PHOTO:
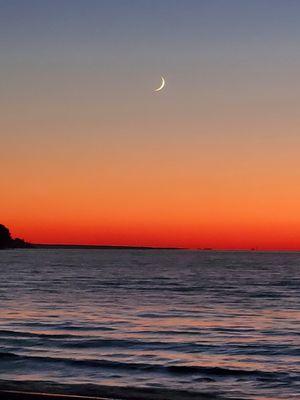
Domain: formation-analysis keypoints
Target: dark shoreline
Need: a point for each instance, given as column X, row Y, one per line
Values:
column 99, row 247
column 37, row 390
column 140, row 248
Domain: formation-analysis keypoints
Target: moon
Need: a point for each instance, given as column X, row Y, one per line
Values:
column 162, row 85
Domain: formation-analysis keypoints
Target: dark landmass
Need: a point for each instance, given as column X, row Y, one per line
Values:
column 106, row 247
column 7, row 242
column 34, row 390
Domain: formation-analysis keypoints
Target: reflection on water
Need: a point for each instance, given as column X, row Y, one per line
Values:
column 227, row 322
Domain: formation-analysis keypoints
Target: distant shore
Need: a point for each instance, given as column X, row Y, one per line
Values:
column 42, row 246
column 7, row 242
column 106, row 247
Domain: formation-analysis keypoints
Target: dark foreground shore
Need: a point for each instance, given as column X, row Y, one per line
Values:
column 32, row 390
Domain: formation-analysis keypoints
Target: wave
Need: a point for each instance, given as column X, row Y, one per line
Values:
column 71, row 341
column 143, row 367
column 136, row 344
column 85, row 342
column 68, row 326
column 27, row 340
column 37, row 335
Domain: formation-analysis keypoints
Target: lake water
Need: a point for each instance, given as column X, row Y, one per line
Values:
column 226, row 323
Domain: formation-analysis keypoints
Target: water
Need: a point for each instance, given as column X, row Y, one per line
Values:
column 225, row 323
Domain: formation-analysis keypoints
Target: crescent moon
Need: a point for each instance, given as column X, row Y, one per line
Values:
column 162, row 85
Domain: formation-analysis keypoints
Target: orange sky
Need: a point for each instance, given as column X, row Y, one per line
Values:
column 90, row 154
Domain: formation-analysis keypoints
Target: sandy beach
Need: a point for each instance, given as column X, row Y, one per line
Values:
column 21, row 390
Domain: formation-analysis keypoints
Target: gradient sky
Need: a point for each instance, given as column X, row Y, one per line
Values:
column 90, row 154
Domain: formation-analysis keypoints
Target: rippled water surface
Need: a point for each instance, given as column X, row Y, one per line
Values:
column 200, row 321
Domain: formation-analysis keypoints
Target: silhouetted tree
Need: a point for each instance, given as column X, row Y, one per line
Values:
column 20, row 243
column 5, row 237
column 7, row 242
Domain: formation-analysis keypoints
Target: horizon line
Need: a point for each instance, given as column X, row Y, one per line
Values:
column 145, row 247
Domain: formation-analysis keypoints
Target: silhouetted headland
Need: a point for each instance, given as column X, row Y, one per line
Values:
column 104, row 247
column 7, row 242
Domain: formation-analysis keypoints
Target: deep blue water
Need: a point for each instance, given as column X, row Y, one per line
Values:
column 221, row 322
